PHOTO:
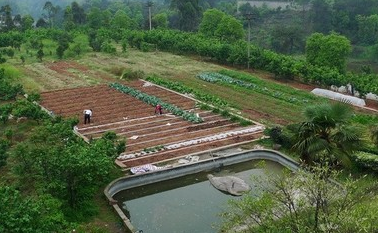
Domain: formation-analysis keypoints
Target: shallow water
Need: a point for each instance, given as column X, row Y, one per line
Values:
column 187, row 204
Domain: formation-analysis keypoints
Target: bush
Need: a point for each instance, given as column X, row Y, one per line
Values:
column 278, row 136
column 108, row 48
column 4, row 146
column 366, row 160
column 147, row 47
column 132, row 75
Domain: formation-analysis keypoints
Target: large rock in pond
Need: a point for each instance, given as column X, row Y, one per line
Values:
column 230, row 184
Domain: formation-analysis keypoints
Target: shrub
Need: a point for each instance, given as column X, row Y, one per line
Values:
column 4, row 146
column 278, row 136
column 147, row 47
column 366, row 160
column 132, row 75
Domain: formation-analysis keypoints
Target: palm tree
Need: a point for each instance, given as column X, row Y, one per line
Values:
column 327, row 131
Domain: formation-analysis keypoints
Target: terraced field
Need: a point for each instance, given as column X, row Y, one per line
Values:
column 150, row 138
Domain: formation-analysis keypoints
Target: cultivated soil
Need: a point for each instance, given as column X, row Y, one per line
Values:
column 150, row 138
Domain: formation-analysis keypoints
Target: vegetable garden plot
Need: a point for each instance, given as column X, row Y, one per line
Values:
column 134, row 119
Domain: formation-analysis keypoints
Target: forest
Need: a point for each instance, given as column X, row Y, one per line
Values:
column 319, row 43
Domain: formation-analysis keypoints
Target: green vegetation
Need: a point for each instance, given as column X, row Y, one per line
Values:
column 155, row 101
column 303, row 202
column 51, row 177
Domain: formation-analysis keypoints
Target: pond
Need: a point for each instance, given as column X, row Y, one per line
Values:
column 187, row 204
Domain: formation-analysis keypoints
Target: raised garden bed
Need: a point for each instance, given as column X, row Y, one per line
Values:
column 151, row 138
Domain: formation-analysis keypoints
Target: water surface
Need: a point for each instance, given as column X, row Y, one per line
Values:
column 187, row 204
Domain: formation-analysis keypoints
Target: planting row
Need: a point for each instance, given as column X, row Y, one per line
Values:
column 198, row 140
column 224, row 79
column 157, row 124
column 176, row 86
column 155, row 101
column 171, row 135
column 177, row 153
column 145, row 122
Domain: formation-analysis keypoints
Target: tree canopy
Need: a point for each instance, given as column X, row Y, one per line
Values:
column 328, row 50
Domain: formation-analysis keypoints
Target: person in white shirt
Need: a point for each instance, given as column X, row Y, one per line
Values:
column 87, row 116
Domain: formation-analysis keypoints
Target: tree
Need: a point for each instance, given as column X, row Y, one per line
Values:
column 120, row 21
column 327, row 130
column 69, row 23
column 21, row 214
column 160, row 21
column 345, row 14
column 51, row 11
column 368, row 29
column 17, row 21
column 230, row 29
column 41, row 23
column 97, row 18
column 189, row 13
column 321, row 16
column 78, row 13
column 210, row 21
column 40, row 54
column 7, row 90
column 6, row 12
column 304, row 5
column 4, row 146
column 27, row 22
column 287, row 39
column 328, row 50
column 302, row 202
column 68, row 168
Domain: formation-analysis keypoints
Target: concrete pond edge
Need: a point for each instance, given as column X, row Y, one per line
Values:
column 128, row 182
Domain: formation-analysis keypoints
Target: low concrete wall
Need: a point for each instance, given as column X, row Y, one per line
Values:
column 160, row 175
column 124, row 183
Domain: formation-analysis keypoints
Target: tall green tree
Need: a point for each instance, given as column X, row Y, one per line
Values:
column 345, row 14
column 78, row 14
column 51, row 12
column 321, row 16
column 160, row 20
column 328, row 50
column 27, row 22
column 287, row 39
column 210, row 21
column 230, row 29
column 368, row 29
column 327, row 130
column 189, row 13
column 6, row 12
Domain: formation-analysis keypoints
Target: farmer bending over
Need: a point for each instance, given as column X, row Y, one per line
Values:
column 87, row 116
column 158, row 109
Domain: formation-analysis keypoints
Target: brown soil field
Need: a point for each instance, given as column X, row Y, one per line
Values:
column 144, row 131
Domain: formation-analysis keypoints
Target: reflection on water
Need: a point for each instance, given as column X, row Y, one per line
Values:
column 187, row 204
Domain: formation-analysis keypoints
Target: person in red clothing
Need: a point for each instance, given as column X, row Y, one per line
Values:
column 158, row 109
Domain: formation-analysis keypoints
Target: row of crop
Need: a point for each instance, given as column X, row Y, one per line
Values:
column 235, row 54
column 208, row 99
column 273, row 87
column 176, row 86
column 224, row 79
column 153, row 100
